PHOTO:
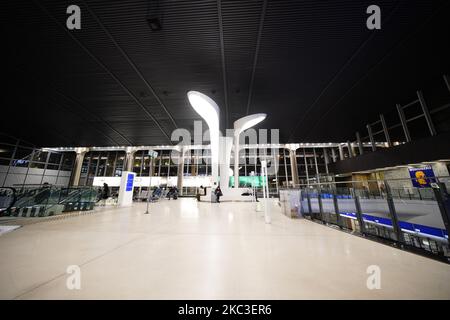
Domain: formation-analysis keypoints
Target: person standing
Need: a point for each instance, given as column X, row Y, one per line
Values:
column 197, row 194
column 105, row 192
column 218, row 193
column 213, row 193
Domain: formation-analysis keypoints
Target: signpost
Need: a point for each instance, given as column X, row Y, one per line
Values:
column 152, row 154
column 265, row 186
column 252, row 174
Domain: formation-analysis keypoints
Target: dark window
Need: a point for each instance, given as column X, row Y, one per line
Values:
column 23, row 153
column 55, row 158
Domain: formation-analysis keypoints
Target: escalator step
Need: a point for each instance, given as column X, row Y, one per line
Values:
column 32, row 211
column 41, row 212
column 24, row 212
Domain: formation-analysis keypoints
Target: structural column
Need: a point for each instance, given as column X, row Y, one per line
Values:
column 294, row 168
column 236, row 161
column 360, row 145
column 326, row 158
column 426, row 113
column 372, row 141
column 194, row 166
column 401, row 114
column 350, row 149
column 180, row 172
column 341, row 153
column 385, row 129
column 306, row 169
column 315, row 164
column 78, row 164
column 129, row 158
column 333, row 154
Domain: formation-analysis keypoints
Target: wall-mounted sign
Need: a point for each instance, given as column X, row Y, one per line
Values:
column 422, row 177
column 152, row 153
column 20, row 162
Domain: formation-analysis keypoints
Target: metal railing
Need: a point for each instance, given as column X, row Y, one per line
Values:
column 409, row 213
column 385, row 130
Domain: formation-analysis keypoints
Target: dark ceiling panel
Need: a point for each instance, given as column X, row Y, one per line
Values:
column 312, row 66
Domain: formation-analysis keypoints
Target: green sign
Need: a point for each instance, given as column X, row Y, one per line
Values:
column 248, row 181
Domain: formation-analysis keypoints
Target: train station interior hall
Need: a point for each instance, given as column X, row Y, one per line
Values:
column 216, row 149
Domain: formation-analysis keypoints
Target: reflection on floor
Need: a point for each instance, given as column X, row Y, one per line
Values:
column 190, row 250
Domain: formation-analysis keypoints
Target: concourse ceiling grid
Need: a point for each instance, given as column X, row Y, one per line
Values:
column 313, row 67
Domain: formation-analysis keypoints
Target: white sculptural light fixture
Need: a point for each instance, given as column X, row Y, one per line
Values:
column 241, row 125
column 209, row 111
column 247, row 122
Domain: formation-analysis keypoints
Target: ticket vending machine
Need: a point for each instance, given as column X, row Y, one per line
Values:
column 126, row 189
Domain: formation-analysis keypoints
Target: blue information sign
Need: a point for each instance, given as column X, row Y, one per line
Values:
column 422, row 177
column 130, row 179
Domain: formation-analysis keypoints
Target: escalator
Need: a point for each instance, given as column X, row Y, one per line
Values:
column 78, row 199
column 8, row 197
column 45, row 200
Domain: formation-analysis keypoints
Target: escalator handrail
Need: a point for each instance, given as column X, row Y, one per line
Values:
column 78, row 194
column 27, row 201
column 63, row 201
column 28, row 197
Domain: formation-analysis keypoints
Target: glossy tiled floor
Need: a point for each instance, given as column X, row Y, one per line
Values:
column 190, row 250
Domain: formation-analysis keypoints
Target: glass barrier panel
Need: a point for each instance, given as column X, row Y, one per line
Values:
column 347, row 208
column 375, row 210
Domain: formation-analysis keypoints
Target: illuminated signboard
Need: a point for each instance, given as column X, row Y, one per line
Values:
column 130, row 179
column 422, row 177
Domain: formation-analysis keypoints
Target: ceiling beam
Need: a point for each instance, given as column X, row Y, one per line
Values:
column 379, row 62
column 79, row 105
column 104, row 67
column 86, row 121
column 336, row 76
column 131, row 63
column 53, row 131
column 70, row 99
column 255, row 57
column 222, row 54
